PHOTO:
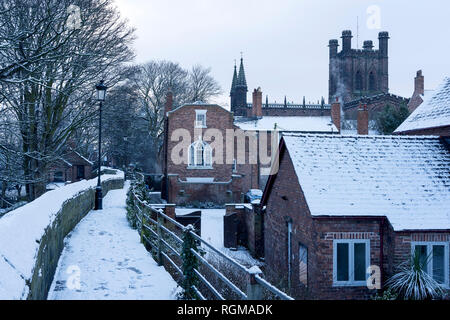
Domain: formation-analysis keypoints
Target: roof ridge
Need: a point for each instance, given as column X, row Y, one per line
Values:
column 395, row 137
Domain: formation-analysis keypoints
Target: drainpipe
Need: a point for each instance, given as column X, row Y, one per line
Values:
column 381, row 252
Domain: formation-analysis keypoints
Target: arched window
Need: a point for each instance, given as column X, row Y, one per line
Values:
column 358, row 81
column 200, row 154
column 372, row 82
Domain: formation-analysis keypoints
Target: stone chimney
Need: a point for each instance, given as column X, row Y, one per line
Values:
column 363, row 120
column 257, row 103
column 419, row 83
column 169, row 101
column 336, row 114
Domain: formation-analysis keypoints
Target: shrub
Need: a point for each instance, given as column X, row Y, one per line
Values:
column 391, row 118
column 412, row 282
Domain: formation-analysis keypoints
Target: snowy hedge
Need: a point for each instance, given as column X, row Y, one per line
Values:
column 28, row 235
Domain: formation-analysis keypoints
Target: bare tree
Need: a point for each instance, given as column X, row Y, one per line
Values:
column 153, row 80
column 52, row 96
column 202, row 85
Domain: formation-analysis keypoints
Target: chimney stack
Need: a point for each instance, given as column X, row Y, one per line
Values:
column 257, row 103
column 336, row 114
column 169, row 101
column 419, row 83
column 363, row 120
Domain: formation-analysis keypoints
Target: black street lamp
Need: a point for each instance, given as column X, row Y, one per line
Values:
column 101, row 95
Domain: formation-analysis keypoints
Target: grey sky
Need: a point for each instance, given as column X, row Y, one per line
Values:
column 285, row 41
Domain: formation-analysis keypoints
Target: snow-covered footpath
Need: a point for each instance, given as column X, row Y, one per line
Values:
column 21, row 231
column 104, row 259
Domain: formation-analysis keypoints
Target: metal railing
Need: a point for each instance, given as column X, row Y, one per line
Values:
column 184, row 253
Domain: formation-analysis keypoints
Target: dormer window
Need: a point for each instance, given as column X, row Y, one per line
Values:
column 200, row 118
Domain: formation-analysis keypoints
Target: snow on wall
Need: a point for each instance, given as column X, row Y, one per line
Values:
column 22, row 229
column 295, row 124
column 406, row 179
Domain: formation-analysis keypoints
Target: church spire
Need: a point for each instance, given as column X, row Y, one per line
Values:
column 242, row 81
column 235, row 79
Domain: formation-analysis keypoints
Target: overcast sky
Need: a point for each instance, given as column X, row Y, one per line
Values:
column 284, row 42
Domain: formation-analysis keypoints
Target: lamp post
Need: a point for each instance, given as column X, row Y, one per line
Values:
column 101, row 95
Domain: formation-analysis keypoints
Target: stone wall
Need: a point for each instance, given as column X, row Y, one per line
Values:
column 52, row 243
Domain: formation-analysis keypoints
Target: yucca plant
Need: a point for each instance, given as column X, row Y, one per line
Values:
column 412, row 282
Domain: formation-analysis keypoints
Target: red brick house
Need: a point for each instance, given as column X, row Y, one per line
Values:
column 432, row 117
column 73, row 167
column 212, row 156
column 339, row 204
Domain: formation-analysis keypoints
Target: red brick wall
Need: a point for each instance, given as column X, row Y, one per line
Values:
column 244, row 178
column 403, row 243
column 217, row 118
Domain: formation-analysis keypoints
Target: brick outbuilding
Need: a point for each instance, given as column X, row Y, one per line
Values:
column 339, row 204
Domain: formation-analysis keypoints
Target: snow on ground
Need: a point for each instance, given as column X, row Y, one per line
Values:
column 111, row 262
column 212, row 232
column 22, row 229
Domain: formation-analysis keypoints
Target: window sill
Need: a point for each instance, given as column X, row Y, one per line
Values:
column 350, row 284
column 199, row 168
column 201, row 127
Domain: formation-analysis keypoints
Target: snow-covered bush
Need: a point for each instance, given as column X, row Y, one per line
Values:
column 412, row 282
column 138, row 188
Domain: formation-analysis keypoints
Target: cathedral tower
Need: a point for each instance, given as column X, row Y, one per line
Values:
column 355, row 73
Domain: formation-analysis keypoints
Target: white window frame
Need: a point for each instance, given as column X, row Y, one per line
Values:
column 351, row 263
column 200, row 124
column 207, row 155
column 430, row 245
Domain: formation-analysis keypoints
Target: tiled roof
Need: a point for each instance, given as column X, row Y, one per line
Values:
column 433, row 112
column 406, row 179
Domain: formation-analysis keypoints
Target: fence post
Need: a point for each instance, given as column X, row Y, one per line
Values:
column 254, row 289
column 142, row 225
column 160, row 244
column 190, row 264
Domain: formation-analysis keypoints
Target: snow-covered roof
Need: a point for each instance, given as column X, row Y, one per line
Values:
column 433, row 112
column 196, row 105
column 295, row 124
column 406, row 179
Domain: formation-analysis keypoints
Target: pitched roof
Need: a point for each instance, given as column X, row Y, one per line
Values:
column 406, row 179
column 294, row 124
column 433, row 112
column 196, row 105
